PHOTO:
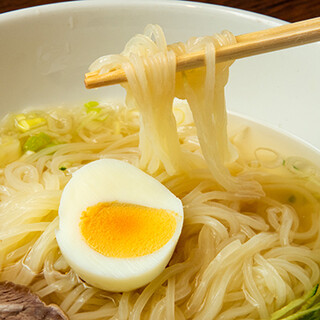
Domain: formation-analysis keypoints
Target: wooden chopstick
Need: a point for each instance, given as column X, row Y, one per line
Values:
column 282, row 37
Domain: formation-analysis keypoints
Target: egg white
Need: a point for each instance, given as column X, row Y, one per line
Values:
column 110, row 180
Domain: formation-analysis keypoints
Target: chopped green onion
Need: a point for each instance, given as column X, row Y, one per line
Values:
column 37, row 142
column 26, row 124
column 65, row 165
column 92, row 106
column 292, row 198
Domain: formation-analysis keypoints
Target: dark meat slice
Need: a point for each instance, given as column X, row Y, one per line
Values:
column 18, row 303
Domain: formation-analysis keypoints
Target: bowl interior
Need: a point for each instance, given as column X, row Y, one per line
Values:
column 47, row 50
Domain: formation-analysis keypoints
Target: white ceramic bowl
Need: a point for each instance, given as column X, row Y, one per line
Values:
column 46, row 50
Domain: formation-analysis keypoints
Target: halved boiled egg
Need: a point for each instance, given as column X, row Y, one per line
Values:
column 118, row 226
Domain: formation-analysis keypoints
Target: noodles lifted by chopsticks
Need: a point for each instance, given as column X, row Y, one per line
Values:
column 151, row 89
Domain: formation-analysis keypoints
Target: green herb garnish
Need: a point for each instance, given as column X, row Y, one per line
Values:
column 92, row 106
column 292, row 198
column 25, row 124
column 62, row 168
column 37, row 142
column 305, row 308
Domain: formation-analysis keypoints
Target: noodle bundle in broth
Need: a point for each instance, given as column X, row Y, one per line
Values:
column 250, row 243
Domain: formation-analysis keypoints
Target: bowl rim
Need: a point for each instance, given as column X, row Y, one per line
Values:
column 61, row 6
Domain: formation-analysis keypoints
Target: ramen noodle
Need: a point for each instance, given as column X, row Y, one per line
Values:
column 250, row 242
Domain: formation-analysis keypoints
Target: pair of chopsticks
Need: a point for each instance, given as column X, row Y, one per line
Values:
column 250, row 44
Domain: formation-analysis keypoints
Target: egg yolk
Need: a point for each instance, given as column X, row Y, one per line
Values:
column 121, row 230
